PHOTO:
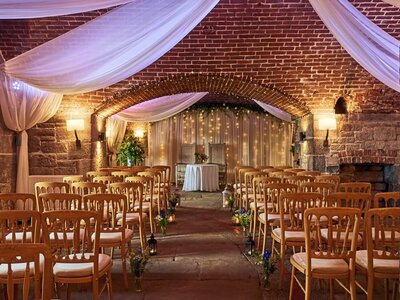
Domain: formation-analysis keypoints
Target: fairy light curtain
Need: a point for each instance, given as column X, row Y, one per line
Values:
column 251, row 138
column 116, row 45
column 374, row 49
column 26, row 9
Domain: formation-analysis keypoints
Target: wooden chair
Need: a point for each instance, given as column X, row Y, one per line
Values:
column 247, row 195
column 22, row 262
column 87, row 188
column 271, row 217
column 382, row 257
column 296, row 170
column 109, row 170
column 163, row 185
column 79, row 262
column 324, row 188
column 284, row 167
column 149, row 206
column 59, row 201
column 261, row 168
column 298, row 180
column 388, row 199
column 167, row 175
column 335, row 179
column 19, row 226
column 106, row 180
column 291, row 230
column 113, row 231
column 282, row 175
column 355, row 187
column 309, row 173
column 331, row 258
column 74, row 178
column 17, row 201
column 134, row 213
column 271, row 170
column 158, row 196
column 121, row 175
column 91, row 174
column 241, row 185
column 51, row 187
column 136, row 169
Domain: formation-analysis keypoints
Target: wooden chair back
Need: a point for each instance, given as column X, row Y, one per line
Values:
column 261, row 168
column 106, row 180
column 109, row 170
column 294, row 205
column 355, row 187
column 86, row 188
column 309, row 173
column 282, row 174
column 236, row 173
column 137, row 169
column 331, row 233
column 283, row 167
column 91, row 174
column 272, row 193
column 298, row 179
column 335, row 179
column 36, row 257
column 271, row 170
column 134, row 194
column 59, row 201
column 74, row 178
column 17, row 201
column 19, row 226
column 296, row 170
column 123, row 174
column 166, row 170
column 388, row 199
column 324, row 188
column 51, row 187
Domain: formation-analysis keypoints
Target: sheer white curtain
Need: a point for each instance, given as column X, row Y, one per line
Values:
column 276, row 112
column 116, row 46
column 374, row 49
column 23, row 107
column 251, row 139
column 115, row 132
column 159, row 108
column 27, row 9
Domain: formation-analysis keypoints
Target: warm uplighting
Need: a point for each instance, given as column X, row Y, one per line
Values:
column 139, row 133
column 74, row 125
column 327, row 123
column 152, row 244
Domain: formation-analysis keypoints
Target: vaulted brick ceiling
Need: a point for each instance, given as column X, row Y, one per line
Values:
column 279, row 43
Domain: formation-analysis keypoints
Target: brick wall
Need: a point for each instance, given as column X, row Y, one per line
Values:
column 282, row 43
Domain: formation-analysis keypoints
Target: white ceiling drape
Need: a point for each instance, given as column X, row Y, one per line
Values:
column 374, row 49
column 159, row 108
column 27, row 9
column 116, row 46
column 23, row 107
column 276, row 112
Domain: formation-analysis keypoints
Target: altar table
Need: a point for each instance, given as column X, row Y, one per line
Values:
column 201, row 177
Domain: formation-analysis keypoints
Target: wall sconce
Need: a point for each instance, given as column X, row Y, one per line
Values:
column 74, row 125
column 139, row 133
column 327, row 123
column 302, row 136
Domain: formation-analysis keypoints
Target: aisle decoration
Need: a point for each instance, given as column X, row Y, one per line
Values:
column 162, row 222
column 138, row 262
column 268, row 264
column 244, row 219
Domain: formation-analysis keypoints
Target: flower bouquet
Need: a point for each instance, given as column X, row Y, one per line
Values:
column 162, row 222
column 174, row 198
column 268, row 264
column 244, row 219
column 200, row 157
column 138, row 261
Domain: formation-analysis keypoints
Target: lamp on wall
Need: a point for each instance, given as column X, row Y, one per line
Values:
column 139, row 133
column 327, row 123
column 74, row 125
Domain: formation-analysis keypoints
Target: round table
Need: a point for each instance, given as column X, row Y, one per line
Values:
column 201, row 177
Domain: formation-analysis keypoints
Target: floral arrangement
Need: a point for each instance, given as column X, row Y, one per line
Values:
column 162, row 222
column 231, row 202
column 138, row 261
column 174, row 198
column 201, row 157
column 244, row 219
column 268, row 264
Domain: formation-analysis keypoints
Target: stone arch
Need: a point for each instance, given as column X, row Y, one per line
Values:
column 215, row 83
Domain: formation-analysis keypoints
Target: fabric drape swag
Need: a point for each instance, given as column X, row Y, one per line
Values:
column 27, row 9
column 374, row 49
column 115, row 132
column 160, row 108
column 117, row 45
column 23, row 107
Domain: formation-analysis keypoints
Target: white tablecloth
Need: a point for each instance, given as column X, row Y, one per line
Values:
column 201, row 177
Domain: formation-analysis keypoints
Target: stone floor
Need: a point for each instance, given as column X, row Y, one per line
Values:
column 201, row 258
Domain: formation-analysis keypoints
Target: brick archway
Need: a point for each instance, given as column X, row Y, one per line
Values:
column 215, row 83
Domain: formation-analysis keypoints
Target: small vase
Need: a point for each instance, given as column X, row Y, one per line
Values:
column 163, row 231
column 138, row 284
column 244, row 231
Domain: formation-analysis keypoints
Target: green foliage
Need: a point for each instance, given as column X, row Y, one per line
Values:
column 131, row 149
column 138, row 260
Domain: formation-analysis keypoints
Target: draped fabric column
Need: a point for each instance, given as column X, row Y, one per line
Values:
column 23, row 107
column 251, row 139
column 115, row 132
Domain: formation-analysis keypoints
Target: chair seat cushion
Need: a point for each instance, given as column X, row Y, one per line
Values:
column 18, row 269
column 391, row 266
column 81, row 269
column 273, row 218
column 320, row 265
column 114, row 237
column 290, row 236
column 324, row 234
column 19, row 237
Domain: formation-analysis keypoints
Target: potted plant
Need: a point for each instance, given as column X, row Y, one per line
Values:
column 131, row 151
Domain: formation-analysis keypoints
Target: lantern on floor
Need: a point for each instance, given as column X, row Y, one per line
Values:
column 250, row 245
column 152, row 244
column 226, row 194
column 171, row 217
